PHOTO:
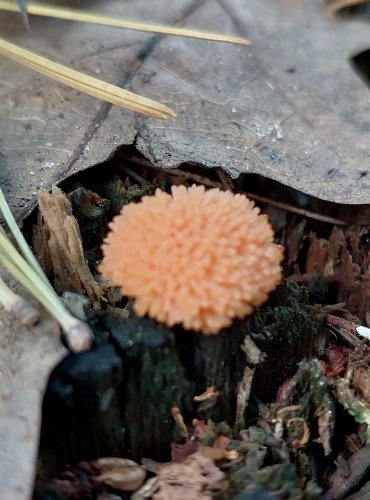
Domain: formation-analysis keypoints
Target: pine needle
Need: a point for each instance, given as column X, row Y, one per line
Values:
column 87, row 84
column 29, row 274
column 19, row 238
column 87, row 17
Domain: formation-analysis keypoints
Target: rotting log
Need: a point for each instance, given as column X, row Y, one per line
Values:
column 117, row 399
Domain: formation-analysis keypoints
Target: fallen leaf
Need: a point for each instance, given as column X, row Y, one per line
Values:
column 27, row 357
column 196, row 477
column 290, row 107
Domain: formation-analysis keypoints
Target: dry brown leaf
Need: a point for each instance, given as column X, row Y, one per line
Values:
column 196, row 477
column 180, row 452
column 289, row 107
column 27, row 357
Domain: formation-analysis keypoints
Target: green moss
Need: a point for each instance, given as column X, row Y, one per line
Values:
column 119, row 194
column 287, row 313
column 280, row 479
column 287, row 330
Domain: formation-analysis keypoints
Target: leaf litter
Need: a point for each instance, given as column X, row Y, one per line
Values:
column 307, row 436
column 289, row 432
column 269, row 118
column 307, row 440
column 270, row 446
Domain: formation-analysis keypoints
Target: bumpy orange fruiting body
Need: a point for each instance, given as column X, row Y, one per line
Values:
column 194, row 257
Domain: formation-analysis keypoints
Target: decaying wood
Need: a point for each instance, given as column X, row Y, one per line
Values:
column 243, row 391
column 342, row 485
column 341, row 260
column 40, row 245
column 64, row 246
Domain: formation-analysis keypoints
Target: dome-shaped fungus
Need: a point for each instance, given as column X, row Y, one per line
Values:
column 194, row 257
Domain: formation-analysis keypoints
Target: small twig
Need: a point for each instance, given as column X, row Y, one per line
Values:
column 186, row 176
column 346, row 329
column 296, row 210
column 337, row 322
column 226, row 182
column 138, row 178
column 243, row 390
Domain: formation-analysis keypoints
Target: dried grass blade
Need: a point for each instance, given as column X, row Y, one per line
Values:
column 87, row 17
column 19, row 238
column 78, row 333
column 24, row 273
column 87, row 84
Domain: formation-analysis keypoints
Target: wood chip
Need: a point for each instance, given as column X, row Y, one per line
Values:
column 64, row 244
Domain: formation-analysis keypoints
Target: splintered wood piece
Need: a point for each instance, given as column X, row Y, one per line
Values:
column 40, row 237
column 64, row 245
